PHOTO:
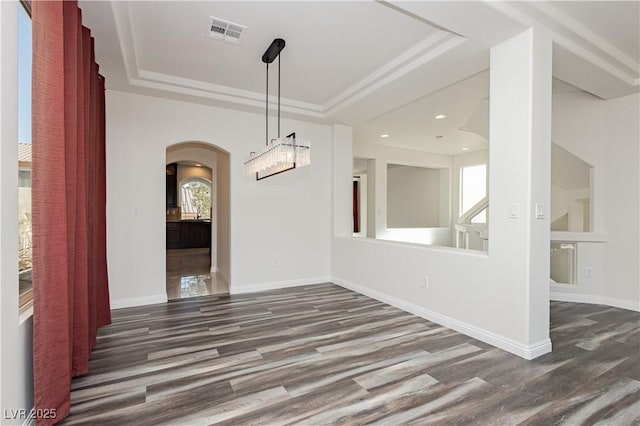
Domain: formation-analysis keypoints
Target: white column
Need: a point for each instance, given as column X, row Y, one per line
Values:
column 520, row 140
column 214, row 210
column 371, row 198
column 380, row 210
column 343, row 180
column 445, row 198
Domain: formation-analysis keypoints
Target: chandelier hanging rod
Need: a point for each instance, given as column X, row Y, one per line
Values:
column 272, row 52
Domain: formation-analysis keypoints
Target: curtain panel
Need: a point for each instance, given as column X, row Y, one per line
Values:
column 70, row 283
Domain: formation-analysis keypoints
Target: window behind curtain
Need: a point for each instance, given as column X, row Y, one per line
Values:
column 24, row 157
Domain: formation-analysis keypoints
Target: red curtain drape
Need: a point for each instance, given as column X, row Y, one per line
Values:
column 70, row 283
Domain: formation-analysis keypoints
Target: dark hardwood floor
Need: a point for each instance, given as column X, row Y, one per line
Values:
column 325, row 355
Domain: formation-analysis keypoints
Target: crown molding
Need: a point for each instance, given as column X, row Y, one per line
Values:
column 122, row 19
column 224, row 90
column 606, row 48
column 573, row 36
column 418, row 55
column 224, row 97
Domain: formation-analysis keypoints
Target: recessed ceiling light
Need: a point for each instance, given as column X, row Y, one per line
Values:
column 465, row 149
column 439, row 116
column 384, row 135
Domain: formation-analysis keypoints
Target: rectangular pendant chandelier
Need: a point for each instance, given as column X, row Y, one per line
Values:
column 280, row 154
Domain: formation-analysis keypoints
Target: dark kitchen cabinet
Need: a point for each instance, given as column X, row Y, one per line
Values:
column 188, row 234
column 173, row 235
column 172, row 185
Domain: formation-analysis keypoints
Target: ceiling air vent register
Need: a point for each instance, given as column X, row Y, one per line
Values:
column 224, row 30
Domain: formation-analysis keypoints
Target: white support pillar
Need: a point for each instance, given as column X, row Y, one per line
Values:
column 520, row 123
column 371, row 198
column 343, row 178
column 381, row 197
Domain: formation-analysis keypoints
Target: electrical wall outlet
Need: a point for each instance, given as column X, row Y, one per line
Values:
column 276, row 263
column 588, row 272
column 424, row 282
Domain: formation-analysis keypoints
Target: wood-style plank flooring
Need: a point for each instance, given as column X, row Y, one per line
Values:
column 325, row 355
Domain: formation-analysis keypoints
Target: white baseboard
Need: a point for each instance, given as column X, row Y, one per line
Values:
column 251, row 288
column 214, row 269
column 222, row 276
column 595, row 299
column 138, row 301
column 525, row 351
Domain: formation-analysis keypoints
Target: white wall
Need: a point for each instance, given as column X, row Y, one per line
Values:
column 589, row 254
column 559, row 205
column 413, row 197
column 501, row 297
column 429, row 236
column 578, row 126
column 16, row 377
column 280, row 227
column 223, row 222
column 605, row 135
column 342, row 163
column 622, row 199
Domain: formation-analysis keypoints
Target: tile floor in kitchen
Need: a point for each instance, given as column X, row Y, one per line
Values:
column 189, row 275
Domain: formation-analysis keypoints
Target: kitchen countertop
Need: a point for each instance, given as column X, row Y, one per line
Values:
column 188, row 220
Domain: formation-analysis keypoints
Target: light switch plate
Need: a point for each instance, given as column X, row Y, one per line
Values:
column 514, row 211
column 539, row 211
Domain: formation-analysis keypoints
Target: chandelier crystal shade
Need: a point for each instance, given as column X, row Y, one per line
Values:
column 280, row 154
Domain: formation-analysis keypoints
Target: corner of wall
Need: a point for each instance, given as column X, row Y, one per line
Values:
column 528, row 352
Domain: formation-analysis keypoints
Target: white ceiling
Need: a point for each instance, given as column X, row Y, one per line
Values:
column 413, row 125
column 321, row 40
column 465, row 128
column 349, row 62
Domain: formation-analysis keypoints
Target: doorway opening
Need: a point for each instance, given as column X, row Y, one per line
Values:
column 197, row 220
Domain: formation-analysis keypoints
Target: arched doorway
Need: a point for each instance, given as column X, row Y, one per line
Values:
column 197, row 220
